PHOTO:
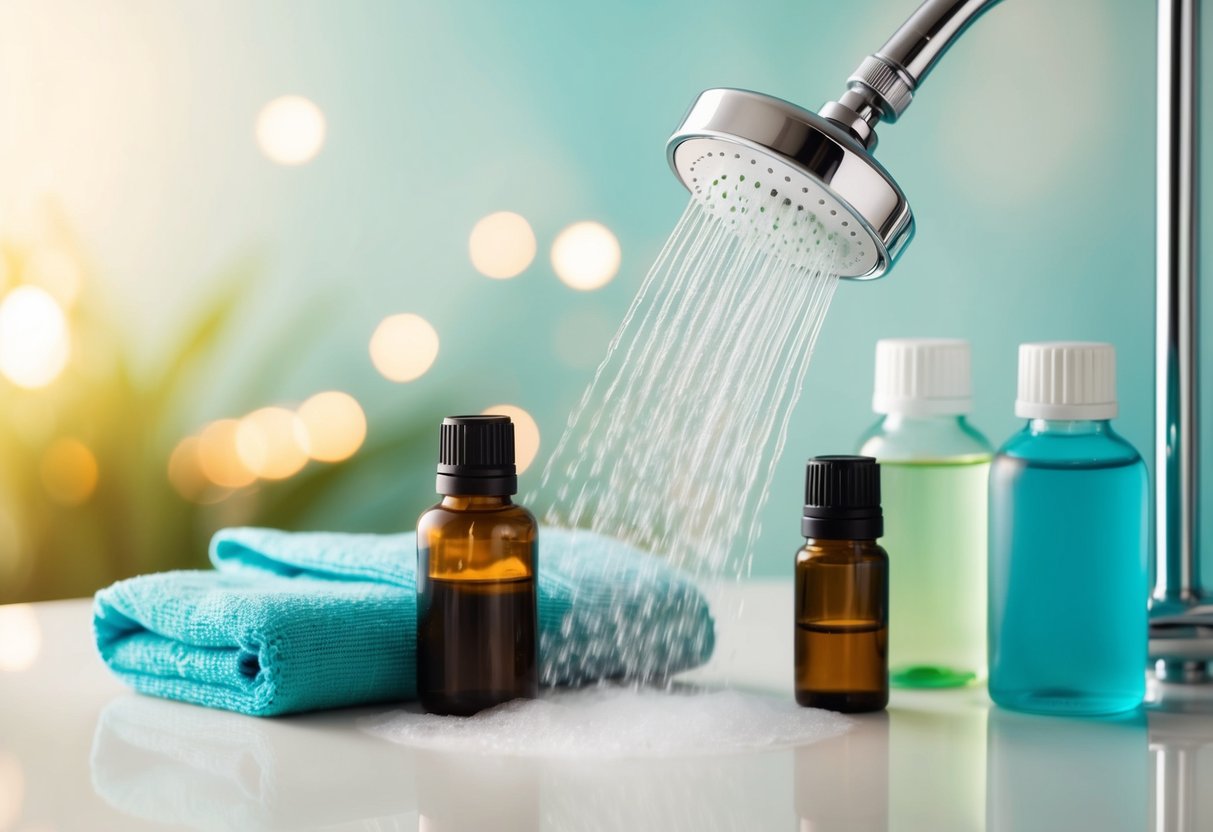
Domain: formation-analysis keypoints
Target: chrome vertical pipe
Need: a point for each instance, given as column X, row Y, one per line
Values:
column 1177, row 487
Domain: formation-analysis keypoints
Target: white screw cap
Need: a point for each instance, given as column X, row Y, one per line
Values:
column 1066, row 380
column 923, row 377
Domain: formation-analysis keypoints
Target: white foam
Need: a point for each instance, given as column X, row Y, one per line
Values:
column 614, row 722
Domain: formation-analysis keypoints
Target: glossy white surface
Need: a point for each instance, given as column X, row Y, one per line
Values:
column 78, row 751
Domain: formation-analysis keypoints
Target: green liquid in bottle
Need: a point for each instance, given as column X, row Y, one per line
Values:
column 935, row 533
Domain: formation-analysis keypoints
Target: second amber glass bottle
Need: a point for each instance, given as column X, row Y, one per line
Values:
column 476, row 604
column 842, row 589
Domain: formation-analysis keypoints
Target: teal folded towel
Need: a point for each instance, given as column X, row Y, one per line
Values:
column 296, row 621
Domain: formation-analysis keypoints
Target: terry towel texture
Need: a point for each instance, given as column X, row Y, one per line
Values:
column 296, row 621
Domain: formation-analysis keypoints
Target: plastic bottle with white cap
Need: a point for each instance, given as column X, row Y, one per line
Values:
column 1069, row 521
column 936, row 467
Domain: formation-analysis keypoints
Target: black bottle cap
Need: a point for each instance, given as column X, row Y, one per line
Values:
column 842, row 498
column 476, row 456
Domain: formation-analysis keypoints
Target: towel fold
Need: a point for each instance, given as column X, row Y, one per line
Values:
column 299, row 621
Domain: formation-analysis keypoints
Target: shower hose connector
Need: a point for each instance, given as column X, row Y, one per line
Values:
column 883, row 85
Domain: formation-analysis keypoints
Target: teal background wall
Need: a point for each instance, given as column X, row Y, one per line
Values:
column 1028, row 158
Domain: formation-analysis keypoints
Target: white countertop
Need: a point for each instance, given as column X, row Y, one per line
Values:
column 79, row 751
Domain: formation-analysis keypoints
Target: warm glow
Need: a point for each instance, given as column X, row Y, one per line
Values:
column 526, row 433
column 20, row 639
column 220, row 462
column 185, row 469
column 404, row 347
column 267, row 445
column 57, row 272
column 34, row 343
column 331, row 426
column 502, row 245
column 586, row 255
column 290, row 130
column 12, row 783
column 69, row 471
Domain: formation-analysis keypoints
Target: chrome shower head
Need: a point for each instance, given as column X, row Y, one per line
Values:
column 821, row 164
column 734, row 141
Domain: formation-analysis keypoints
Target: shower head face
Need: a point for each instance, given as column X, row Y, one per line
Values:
column 741, row 153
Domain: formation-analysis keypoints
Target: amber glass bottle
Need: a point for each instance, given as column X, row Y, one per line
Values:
column 476, row 613
column 842, row 589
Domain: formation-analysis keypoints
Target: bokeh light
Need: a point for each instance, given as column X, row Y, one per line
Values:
column 290, row 130
column 20, row 638
column 404, row 346
column 57, row 272
column 221, row 463
column 267, row 443
column 185, row 469
column 526, row 433
column 331, row 426
column 502, row 245
column 34, row 342
column 69, row 471
column 586, row 255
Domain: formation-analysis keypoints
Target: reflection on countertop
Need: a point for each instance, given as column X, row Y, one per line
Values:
column 1180, row 719
column 77, row 751
column 179, row 764
column 1089, row 773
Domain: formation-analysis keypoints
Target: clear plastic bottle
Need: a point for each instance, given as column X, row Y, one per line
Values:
column 935, row 468
column 1068, row 541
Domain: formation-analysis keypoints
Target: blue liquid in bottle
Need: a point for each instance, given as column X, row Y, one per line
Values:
column 1067, row 579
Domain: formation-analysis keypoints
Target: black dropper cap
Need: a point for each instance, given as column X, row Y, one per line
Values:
column 842, row 498
column 476, row 456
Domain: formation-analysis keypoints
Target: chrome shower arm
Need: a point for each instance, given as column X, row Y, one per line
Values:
column 918, row 45
column 884, row 83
